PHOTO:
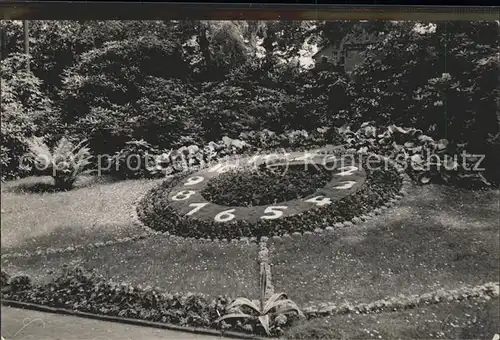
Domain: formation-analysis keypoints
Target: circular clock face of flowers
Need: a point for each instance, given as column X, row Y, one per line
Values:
column 265, row 187
column 267, row 195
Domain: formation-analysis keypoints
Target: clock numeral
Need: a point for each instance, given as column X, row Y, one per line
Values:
column 320, row 200
column 225, row 216
column 197, row 206
column 275, row 211
column 345, row 185
column 183, row 195
column 194, row 180
column 347, row 170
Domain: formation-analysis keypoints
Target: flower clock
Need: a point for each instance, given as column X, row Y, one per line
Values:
column 266, row 195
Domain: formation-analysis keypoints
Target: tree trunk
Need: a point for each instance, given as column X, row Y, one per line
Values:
column 3, row 42
column 26, row 43
column 205, row 46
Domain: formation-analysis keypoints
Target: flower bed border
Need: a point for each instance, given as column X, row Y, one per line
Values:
column 396, row 303
column 390, row 304
column 70, row 249
column 129, row 321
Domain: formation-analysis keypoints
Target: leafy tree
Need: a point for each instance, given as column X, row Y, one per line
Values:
column 58, row 44
column 11, row 35
column 218, row 47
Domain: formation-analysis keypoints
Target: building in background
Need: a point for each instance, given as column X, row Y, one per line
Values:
column 348, row 52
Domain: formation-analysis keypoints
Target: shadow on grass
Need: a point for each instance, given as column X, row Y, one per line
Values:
column 436, row 238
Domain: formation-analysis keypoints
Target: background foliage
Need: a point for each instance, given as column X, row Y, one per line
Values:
column 175, row 83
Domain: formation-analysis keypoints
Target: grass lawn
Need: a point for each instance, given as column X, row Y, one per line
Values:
column 436, row 237
column 455, row 320
column 99, row 210
column 96, row 210
column 174, row 266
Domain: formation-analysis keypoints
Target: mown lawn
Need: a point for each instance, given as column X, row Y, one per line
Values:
column 437, row 237
column 172, row 265
column 98, row 209
column 447, row 320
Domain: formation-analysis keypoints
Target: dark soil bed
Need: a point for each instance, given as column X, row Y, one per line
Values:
column 265, row 185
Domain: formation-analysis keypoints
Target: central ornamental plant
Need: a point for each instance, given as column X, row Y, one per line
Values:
column 264, row 309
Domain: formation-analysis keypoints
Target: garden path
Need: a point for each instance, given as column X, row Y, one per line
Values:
column 28, row 324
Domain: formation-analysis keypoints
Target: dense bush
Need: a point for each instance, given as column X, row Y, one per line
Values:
column 442, row 81
column 267, row 139
column 19, row 283
column 325, row 96
column 229, row 109
column 25, row 111
column 4, row 279
column 423, row 158
column 132, row 161
column 56, row 45
column 125, row 91
column 165, row 115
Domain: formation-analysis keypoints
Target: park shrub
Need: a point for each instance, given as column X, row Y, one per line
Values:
column 442, row 81
column 4, row 279
column 19, row 283
column 266, row 139
column 423, row 158
column 57, row 44
column 130, row 89
column 65, row 161
column 25, row 111
column 229, row 109
column 324, row 95
column 133, row 161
